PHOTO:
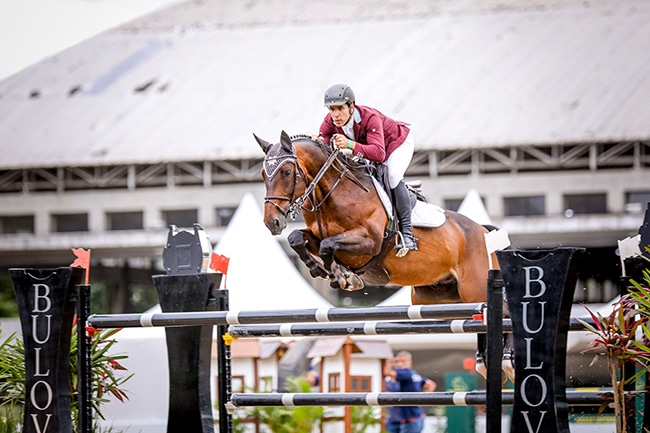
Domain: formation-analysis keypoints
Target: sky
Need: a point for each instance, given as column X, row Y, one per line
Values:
column 31, row 30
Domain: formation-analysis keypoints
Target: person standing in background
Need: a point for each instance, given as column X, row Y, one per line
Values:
column 411, row 418
column 394, row 418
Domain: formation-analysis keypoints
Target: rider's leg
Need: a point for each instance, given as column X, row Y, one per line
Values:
column 397, row 164
column 403, row 211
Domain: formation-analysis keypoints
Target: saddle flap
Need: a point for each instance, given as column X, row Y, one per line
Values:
column 423, row 214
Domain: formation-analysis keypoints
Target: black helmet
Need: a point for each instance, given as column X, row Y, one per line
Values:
column 339, row 94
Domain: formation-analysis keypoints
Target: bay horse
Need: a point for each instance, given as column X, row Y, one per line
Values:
column 347, row 228
column 349, row 235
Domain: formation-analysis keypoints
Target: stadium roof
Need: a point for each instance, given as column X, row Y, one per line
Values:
column 194, row 81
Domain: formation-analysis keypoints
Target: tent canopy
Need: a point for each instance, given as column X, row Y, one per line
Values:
column 260, row 274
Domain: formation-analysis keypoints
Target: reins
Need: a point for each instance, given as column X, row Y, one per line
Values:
column 296, row 204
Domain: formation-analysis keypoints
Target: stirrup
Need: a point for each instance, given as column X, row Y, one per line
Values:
column 401, row 247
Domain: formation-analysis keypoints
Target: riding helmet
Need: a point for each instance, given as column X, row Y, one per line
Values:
column 339, row 94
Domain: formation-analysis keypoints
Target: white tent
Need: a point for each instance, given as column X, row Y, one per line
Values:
column 146, row 409
column 472, row 207
column 260, row 275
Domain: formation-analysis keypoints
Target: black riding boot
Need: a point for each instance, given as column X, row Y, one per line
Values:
column 403, row 210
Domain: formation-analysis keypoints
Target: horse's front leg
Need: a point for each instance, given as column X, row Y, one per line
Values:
column 306, row 245
column 353, row 243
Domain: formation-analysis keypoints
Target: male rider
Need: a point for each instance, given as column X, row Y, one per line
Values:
column 369, row 133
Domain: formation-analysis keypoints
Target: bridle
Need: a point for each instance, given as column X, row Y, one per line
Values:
column 272, row 170
column 272, row 165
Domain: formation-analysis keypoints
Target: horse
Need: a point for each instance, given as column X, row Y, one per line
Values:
column 349, row 234
column 347, row 227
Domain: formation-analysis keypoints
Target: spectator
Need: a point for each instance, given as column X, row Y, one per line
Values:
column 312, row 377
column 411, row 418
column 394, row 418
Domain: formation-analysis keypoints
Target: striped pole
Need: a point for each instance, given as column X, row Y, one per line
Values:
column 362, row 328
column 320, row 315
column 474, row 398
column 375, row 328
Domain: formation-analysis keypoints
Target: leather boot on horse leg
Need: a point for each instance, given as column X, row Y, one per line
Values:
column 508, row 361
column 405, row 242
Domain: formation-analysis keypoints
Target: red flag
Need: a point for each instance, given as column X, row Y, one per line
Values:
column 219, row 263
column 82, row 260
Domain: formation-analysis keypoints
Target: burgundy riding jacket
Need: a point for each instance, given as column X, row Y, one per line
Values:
column 376, row 135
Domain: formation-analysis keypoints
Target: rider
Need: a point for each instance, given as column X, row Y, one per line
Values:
column 371, row 134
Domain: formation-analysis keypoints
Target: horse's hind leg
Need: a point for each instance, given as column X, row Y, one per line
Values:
column 481, row 347
column 300, row 241
column 508, row 361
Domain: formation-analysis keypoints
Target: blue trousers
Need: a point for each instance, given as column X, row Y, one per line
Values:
column 393, row 426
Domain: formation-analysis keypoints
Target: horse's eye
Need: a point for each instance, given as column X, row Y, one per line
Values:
column 286, row 172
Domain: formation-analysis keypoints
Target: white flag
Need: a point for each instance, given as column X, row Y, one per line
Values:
column 628, row 247
column 496, row 240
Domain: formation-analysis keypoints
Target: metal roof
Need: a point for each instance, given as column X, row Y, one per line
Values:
column 194, row 81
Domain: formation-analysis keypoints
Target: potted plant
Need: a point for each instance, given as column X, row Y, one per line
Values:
column 107, row 376
column 622, row 337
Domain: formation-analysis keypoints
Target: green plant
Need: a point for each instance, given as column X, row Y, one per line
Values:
column 12, row 374
column 104, row 367
column 106, row 375
column 617, row 340
column 364, row 417
column 10, row 420
column 301, row 419
column 288, row 419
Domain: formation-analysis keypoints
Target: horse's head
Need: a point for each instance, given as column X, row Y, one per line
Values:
column 281, row 173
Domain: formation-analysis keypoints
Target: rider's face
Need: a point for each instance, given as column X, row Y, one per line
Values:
column 340, row 114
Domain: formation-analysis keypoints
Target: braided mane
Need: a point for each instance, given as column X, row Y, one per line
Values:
column 301, row 137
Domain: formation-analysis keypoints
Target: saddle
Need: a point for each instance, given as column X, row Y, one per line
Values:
column 379, row 174
column 423, row 214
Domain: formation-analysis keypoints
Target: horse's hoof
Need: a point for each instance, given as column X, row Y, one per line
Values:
column 353, row 282
column 318, row 272
column 508, row 369
column 337, row 277
column 337, row 281
column 481, row 368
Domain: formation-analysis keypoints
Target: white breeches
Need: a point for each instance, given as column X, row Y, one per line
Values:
column 399, row 161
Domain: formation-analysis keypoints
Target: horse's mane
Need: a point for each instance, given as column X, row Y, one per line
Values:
column 362, row 167
column 301, row 137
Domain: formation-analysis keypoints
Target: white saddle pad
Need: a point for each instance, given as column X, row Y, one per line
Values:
column 427, row 215
column 422, row 215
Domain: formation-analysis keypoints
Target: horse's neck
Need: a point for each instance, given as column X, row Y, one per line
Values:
column 341, row 174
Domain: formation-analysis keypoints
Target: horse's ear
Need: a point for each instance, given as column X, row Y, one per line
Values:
column 285, row 141
column 263, row 144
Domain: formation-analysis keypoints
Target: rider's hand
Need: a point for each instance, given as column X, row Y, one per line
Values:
column 342, row 142
column 318, row 138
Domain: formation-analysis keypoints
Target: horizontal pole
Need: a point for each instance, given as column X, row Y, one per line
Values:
column 315, row 315
column 376, row 328
column 474, row 398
